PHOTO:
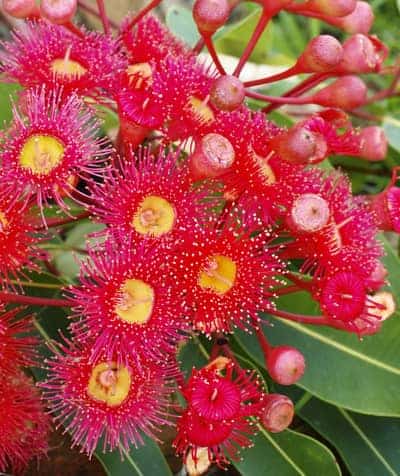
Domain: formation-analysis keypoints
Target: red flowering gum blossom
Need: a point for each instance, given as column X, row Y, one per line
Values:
column 285, row 364
column 227, row 93
column 362, row 54
column 24, row 426
column 212, row 157
column 19, row 8
column 227, row 277
column 277, row 413
column 17, row 348
column 348, row 92
column 155, row 198
column 218, row 404
column 386, row 209
column 17, row 239
column 150, row 41
column 373, row 144
column 131, row 302
column 210, row 15
column 323, row 53
column 53, row 141
column 58, row 11
column 45, row 54
column 105, row 401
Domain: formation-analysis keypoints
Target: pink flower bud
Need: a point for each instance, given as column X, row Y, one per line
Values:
column 58, row 11
column 212, row 157
column 334, row 8
column 322, row 54
column 309, row 213
column 300, row 146
column 227, row 93
column 359, row 21
column 278, row 412
column 373, row 144
column 285, row 364
column 362, row 54
column 386, row 208
column 210, row 15
column 19, row 8
column 348, row 92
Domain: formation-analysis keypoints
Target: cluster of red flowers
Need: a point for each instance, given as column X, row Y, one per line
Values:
column 203, row 226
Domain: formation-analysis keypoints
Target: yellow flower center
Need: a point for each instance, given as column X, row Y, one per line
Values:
column 139, row 73
column 109, row 383
column 201, row 109
column 219, row 274
column 3, row 222
column 135, row 302
column 66, row 68
column 154, row 216
column 41, row 154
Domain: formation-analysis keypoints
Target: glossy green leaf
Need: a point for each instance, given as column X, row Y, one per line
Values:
column 7, row 91
column 391, row 126
column 368, row 444
column 180, row 21
column 362, row 376
column 287, row 454
column 144, row 461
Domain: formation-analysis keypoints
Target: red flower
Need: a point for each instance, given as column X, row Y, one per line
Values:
column 156, row 199
column 129, row 303
column 52, row 142
column 17, row 348
column 218, row 404
column 106, row 401
column 23, row 424
column 228, row 274
column 43, row 53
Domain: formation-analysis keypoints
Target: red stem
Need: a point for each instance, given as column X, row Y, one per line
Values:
column 276, row 77
column 211, row 49
column 279, row 100
column 31, row 300
column 74, row 29
column 286, row 290
column 93, row 11
column 258, row 31
column 104, row 17
column 301, row 88
column 198, row 46
column 143, row 12
column 302, row 318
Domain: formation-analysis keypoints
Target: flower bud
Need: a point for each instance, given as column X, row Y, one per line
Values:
column 310, row 213
column 227, row 93
column 210, row 15
column 58, row 11
column 285, row 364
column 19, row 8
column 348, row 92
column 385, row 305
column 334, row 8
column 362, row 54
column 212, row 157
column 278, row 412
column 386, row 209
column 373, row 143
column 321, row 54
column 359, row 21
column 300, row 146
column 197, row 462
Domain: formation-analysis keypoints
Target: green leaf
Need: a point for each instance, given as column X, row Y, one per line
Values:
column 6, row 90
column 233, row 39
column 368, row 445
column 180, row 21
column 287, row 454
column 362, row 376
column 143, row 461
column 391, row 126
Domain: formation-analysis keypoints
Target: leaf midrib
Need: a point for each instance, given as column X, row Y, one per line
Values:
column 342, row 347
